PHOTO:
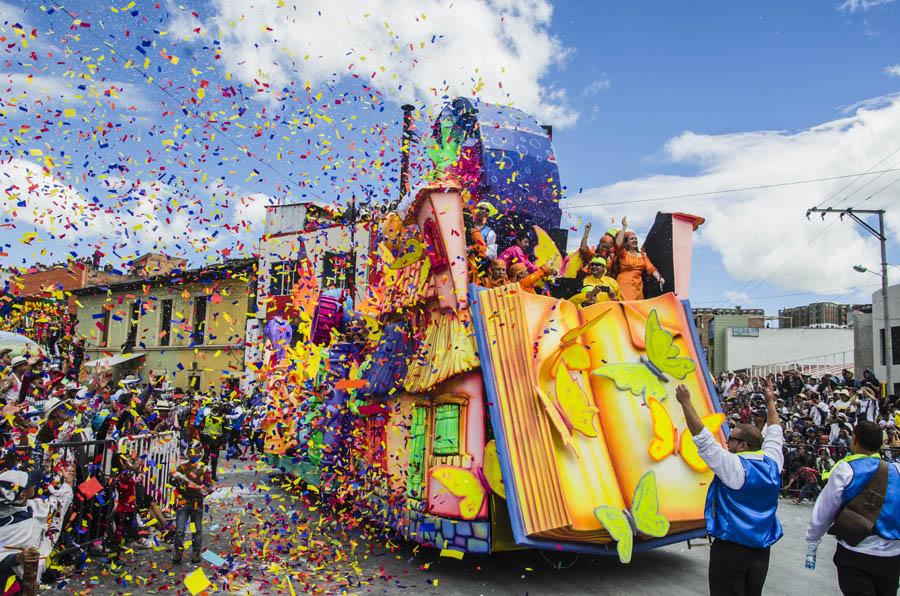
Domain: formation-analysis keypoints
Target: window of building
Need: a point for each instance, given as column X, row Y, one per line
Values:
column 194, row 381
column 165, row 322
column 446, row 429
column 895, row 345
column 418, row 433
column 282, row 277
column 107, row 321
column 199, row 320
column 338, row 270
column 134, row 318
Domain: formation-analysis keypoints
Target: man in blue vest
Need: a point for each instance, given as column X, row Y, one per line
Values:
column 872, row 565
column 742, row 498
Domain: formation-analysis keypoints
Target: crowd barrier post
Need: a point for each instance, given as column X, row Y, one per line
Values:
column 160, row 454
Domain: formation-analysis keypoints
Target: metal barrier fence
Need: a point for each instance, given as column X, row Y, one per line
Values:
column 890, row 454
column 88, row 523
column 160, row 453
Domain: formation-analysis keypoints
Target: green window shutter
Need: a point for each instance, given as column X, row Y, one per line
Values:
column 446, row 429
column 416, row 452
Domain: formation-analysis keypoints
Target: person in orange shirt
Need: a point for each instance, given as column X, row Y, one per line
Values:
column 605, row 249
column 496, row 275
column 633, row 265
column 518, row 272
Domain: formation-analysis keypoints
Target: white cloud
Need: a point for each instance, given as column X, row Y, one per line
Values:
column 601, row 84
column 34, row 197
column 42, row 92
column 499, row 50
column 893, row 70
column 762, row 235
column 250, row 211
column 863, row 5
column 737, row 297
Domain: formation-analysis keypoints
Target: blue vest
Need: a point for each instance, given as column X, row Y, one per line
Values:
column 746, row 516
column 888, row 523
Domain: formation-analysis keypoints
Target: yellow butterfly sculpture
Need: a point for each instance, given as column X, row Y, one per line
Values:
column 545, row 251
column 572, row 409
column 491, row 469
column 412, row 252
column 469, row 486
column 648, row 378
column 644, row 517
column 667, row 440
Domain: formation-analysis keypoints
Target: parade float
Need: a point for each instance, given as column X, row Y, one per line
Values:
column 479, row 420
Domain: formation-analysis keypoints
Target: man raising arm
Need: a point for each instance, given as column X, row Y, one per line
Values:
column 742, row 498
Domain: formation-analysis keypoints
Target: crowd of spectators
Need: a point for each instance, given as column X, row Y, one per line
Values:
column 818, row 414
column 58, row 427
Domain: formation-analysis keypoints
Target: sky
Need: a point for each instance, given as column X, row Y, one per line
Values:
column 161, row 125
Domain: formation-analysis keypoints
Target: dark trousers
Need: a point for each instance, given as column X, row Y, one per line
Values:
column 737, row 570
column 866, row 575
column 211, row 447
column 191, row 512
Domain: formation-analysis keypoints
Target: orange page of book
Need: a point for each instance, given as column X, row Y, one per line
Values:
column 627, row 422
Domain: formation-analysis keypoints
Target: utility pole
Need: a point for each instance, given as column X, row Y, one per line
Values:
column 879, row 233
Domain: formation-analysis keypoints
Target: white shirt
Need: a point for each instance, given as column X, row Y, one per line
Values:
column 12, row 394
column 819, row 413
column 490, row 238
column 727, row 465
column 828, row 505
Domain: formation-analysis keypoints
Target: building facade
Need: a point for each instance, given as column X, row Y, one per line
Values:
column 817, row 314
column 304, row 239
column 712, row 325
column 762, row 350
column 188, row 326
column 863, row 342
column 56, row 282
column 878, row 338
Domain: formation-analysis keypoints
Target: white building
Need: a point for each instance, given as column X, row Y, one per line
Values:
column 878, row 326
column 306, row 235
column 820, row 351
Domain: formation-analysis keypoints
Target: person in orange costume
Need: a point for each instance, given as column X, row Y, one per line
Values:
column 633, row 264
column 519, row 272
column 496, row 276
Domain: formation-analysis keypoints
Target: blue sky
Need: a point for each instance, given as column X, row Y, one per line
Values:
column 647, row 100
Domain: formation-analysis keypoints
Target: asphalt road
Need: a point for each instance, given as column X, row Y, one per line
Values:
column 268, row 539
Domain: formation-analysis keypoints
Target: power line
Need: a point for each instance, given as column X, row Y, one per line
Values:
column 829, row 291
column 783, row 248
column 816, row 237
column 730, row 190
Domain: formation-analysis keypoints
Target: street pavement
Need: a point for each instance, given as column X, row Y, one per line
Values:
column 240, row 512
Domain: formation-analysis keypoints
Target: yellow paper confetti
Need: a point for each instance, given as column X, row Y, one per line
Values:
column 196, row 581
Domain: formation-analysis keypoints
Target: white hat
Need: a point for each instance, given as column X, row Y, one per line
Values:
column 18, row 360
column 129, row 380
column 15, row 477
column 52, row 404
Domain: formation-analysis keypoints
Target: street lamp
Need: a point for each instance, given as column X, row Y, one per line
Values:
column 864, row 269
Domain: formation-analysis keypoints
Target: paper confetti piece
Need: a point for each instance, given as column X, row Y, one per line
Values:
column 196, row 581
column 214, row 559
column 90, row 487
column 452, row 553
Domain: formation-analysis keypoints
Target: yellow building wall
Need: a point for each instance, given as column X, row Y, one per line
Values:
column 220, row 356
